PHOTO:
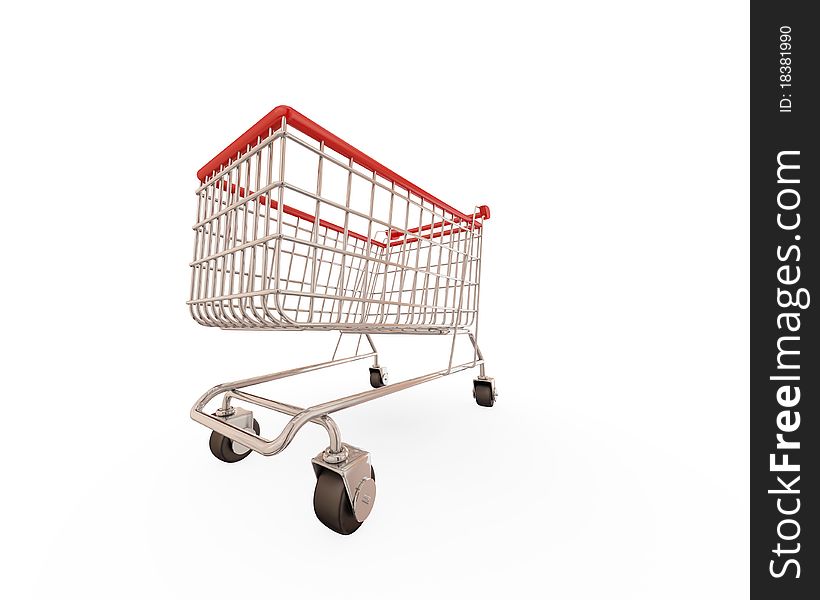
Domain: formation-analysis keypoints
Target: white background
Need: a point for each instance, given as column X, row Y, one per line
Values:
column 611, row 142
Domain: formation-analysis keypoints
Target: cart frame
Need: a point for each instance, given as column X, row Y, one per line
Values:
column 436, row 299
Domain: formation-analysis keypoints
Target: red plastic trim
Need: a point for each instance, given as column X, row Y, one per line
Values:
column 437, row 224
column 273, row 120
column 410, row 239
column 295, row 212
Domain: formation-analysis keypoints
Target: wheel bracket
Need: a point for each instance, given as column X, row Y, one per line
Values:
column 378, row 376
column 240, row 418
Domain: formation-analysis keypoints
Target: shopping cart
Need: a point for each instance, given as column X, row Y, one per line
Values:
column 328, row 239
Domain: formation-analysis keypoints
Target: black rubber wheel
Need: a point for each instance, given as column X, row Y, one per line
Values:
column 222, row 447
column 484, row 393
column 376, row 379
column 331, row 505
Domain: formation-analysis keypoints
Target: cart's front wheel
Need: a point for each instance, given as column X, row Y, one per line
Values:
column 223, row 447
column 331, row 504
column 484, row 392
column 378, row 377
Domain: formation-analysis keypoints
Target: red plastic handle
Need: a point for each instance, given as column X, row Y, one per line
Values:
column 273, row 120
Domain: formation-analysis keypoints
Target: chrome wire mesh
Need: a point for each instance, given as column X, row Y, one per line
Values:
column 293, row 235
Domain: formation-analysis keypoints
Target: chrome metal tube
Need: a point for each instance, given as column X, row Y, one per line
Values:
column 271, row 447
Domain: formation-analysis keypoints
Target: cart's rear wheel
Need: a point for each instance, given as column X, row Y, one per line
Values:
column 484, row 392
column 331, row 504
column 378, row 377
column 223, row 447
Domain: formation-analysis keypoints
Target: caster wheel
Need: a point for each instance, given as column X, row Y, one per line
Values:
column 222, row 447
column 484, row 392
column 331, row 505
column 378, row 377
